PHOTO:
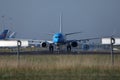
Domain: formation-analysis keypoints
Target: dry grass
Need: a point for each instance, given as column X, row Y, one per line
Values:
column 58, row 61
column 78, row 66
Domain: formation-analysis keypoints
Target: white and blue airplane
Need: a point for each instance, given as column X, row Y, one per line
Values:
column 7, row 34
column 60, row 39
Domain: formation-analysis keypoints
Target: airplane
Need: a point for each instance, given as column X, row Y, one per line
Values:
column 7, row 39
column 60, row 39
column 4, row 34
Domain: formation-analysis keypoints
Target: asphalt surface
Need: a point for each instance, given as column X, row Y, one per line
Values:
column 58, row 53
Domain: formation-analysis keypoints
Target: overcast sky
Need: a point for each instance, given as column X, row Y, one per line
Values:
column 36, row 18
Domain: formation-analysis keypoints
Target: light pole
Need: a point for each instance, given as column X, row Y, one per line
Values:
column 18, row 52
column 112, row 52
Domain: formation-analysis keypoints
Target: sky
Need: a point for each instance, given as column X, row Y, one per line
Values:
column 35, row 19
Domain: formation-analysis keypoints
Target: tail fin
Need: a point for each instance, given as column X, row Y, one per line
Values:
column 61, row 23
column 4, row 34
column 12, row 35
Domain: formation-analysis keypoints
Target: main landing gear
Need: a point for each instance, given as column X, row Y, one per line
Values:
column 51, row 48
column 58, row 48
column 68, row 48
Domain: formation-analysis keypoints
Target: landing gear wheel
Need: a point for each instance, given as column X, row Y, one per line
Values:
column 68, row 48
column 51, row 48
column 58, row 48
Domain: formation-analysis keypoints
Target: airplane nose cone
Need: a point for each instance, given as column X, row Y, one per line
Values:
column 56, row 40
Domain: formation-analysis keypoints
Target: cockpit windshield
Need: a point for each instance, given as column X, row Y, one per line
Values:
column 58, row 35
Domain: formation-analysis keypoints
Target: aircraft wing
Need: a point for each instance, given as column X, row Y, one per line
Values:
column 87, row 39
column 50, row 42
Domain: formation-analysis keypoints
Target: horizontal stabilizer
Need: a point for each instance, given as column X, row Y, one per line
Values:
column 51, row 33
column 73, row 33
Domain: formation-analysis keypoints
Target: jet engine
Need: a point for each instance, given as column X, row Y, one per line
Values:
column 44, row 44
column 74, row 44
column 85, row 47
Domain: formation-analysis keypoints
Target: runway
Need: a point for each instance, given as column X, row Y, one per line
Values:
column 58, row 53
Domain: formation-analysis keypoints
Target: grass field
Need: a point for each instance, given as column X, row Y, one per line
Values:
column 59, row 67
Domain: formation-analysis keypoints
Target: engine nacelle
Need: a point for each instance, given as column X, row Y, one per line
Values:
column 74, row 44
column 44, row 44
column 85, row 47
